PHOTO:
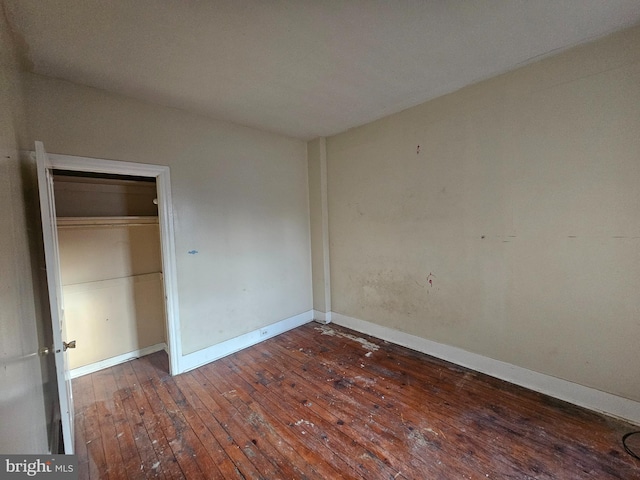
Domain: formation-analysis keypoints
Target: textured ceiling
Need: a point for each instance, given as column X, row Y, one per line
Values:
column 304, row 68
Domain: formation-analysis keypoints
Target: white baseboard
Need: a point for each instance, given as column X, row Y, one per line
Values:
column 110, row 362
column 322, row 317
column 214, row 352
column 586, row 397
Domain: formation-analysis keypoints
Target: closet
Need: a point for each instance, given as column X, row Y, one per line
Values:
column 111, row 269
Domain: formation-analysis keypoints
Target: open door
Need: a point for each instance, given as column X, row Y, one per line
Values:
column 50, row 237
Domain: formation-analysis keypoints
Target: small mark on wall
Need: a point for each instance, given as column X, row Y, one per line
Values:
column 430, row 278
column 192, row 252
column 418, row 150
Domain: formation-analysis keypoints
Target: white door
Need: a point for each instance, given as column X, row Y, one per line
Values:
column 52, row 262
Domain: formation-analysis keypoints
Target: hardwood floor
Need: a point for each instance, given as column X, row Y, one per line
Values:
column 324, row 402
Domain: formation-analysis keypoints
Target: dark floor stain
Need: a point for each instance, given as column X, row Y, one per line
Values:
column 342, row 383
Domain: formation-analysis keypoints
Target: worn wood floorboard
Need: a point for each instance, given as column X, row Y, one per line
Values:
column 322, row 402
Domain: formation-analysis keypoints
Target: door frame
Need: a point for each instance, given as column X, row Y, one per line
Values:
column 167, row 238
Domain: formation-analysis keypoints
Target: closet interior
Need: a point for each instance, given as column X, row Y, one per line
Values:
column 111, row 268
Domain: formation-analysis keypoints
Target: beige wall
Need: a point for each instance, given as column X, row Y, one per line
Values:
column 522, row 204
column 108, row 318
column 90, row 253
column 112, row 286
column 28, row 387
column 240, row 200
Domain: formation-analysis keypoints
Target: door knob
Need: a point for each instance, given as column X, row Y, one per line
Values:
column 71, row 344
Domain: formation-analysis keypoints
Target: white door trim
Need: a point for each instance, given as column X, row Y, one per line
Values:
column 167, row 241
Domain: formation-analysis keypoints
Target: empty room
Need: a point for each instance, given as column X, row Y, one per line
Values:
column 320, row 239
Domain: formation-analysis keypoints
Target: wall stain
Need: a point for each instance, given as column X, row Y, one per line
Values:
column 23, row 51
column 407, row 296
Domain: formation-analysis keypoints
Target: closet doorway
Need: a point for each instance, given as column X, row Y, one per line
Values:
column 111, row 267
column 160, row 174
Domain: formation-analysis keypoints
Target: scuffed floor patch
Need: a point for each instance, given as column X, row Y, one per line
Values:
column 365, row 343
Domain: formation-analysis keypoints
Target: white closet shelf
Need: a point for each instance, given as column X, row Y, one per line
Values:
column 128, row 221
